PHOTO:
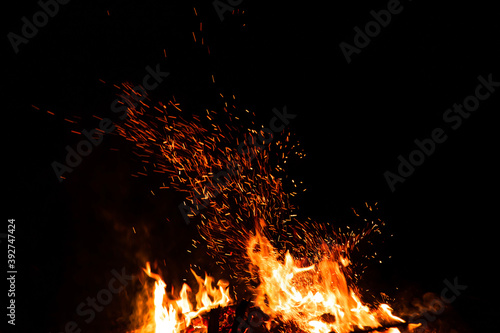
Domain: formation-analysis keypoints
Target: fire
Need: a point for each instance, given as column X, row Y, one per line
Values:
column 232, row 189
column 316, row 298
column 175, row 316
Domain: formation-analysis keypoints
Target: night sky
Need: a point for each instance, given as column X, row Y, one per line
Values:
column 353, row 119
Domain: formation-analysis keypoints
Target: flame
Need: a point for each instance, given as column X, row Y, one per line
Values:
column 229, row 183
column 316, row 298
column 175, row 316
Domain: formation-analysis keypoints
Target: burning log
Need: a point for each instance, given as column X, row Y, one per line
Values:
column 228, row 319
column 380, row 328
column 397, row 326
column 213, row 323
column 240, row 313
column 237, row 319
column 246, row 318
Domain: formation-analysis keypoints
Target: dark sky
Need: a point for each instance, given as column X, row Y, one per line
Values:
column 353, row 119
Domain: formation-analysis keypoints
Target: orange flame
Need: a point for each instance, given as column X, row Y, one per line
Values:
column 175, row 316
column 315, row 298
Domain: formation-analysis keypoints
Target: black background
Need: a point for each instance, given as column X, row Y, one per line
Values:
column 353, row 121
